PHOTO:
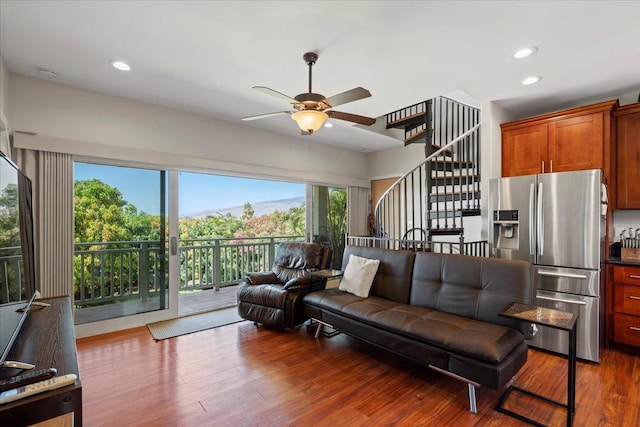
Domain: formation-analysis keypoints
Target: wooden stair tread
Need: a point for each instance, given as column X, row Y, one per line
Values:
column 409, row 120
column 470, row 212
column 413, row 138
column 451, row 231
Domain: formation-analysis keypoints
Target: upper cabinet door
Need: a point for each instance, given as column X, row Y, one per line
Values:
column 524, row 150
column 576, row 143
column 629, row 158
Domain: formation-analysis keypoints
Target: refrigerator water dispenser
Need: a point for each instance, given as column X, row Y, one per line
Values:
column 505, row 229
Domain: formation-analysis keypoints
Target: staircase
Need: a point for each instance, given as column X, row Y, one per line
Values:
column 433, row 198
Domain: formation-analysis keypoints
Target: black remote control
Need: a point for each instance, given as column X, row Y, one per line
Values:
column 28, row 378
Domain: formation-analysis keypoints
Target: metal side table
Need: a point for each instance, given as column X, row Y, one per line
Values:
column 553, row 319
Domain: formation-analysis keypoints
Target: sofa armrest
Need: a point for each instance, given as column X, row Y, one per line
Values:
column 261, row 278
column 307, row 283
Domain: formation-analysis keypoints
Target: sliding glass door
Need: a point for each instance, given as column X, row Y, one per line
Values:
column 120, row 246
column 329, row 219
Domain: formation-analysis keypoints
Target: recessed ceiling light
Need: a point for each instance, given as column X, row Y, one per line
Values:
column 524, row 52
column 328, row 125
column 120, row 65
column 531, row 80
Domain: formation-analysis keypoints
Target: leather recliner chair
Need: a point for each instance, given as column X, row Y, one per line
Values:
column 274, row 298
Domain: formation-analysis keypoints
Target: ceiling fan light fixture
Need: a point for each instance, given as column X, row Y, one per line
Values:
column 310, row 120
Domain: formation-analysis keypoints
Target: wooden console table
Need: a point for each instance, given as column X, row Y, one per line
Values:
column 47, row 340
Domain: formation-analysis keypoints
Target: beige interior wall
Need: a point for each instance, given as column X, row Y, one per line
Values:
column 96, row 124
column 378, row 187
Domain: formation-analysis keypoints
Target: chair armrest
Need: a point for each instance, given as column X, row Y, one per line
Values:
column 261, row 278
column 306, row 283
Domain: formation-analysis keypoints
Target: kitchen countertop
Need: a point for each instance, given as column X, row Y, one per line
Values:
column 619, row 261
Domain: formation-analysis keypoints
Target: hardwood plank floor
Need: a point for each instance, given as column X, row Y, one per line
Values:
column 243, row 375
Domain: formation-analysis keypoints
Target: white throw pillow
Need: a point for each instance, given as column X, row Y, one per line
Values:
column 358, row 276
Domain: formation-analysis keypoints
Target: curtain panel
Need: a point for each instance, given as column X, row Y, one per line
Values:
column 358, row 199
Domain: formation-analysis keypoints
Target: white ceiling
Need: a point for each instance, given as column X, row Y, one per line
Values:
column 204, row 56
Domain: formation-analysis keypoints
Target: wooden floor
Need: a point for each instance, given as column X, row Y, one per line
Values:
column 243, row 375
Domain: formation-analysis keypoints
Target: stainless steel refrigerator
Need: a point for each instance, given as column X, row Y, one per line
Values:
column 557, row 222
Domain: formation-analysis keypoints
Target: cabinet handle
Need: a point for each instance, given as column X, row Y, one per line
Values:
column 634, row 276
column 551, row 166
column 543, row 166
column 634, row 328
column 633, row 297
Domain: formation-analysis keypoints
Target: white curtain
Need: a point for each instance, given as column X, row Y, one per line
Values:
column 51, row 175
column 358, row 200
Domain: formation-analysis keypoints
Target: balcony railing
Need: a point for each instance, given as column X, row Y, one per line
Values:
column 476, row 248
column 109, row 272
column 11, row 274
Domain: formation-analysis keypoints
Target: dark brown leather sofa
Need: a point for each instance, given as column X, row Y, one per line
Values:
column 438, row 310
column 274, row 297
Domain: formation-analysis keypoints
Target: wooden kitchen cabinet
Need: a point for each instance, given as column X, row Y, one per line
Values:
column 626, row 305
column 576, row 139
column 628, row 156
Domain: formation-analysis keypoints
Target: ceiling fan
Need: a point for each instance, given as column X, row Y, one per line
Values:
column 311, row 110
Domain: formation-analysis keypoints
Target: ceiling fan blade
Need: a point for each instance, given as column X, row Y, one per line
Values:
column 361, row 120
column 275, row 93
column 349, row 96
column 263, row 116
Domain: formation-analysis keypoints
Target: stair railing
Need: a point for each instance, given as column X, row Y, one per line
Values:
column 405, row 212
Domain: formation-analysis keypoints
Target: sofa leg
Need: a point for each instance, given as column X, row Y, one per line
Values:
column 473, row 407
column 319, row 330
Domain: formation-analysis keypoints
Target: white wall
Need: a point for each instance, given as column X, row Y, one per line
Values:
column 394, row 161
column 88, row 123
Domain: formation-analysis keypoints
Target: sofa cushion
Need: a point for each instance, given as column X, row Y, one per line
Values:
column 473, row 338
column 393, row 279
column 358, row 276
column 474, row 287
column 476, row 339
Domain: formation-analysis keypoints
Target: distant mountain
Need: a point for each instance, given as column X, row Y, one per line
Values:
column 259, row 208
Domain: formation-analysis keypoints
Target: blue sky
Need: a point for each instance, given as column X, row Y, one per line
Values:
column 198, row 192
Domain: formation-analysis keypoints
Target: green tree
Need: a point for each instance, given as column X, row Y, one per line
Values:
column 337, row 222
column 247, row 212
column 9, row 229
column 99, row 213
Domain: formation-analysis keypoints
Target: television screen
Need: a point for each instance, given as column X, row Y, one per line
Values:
column 17, row 274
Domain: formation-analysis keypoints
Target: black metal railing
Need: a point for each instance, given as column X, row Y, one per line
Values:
column 434, row 196
column 11, row 274
column 475, row 248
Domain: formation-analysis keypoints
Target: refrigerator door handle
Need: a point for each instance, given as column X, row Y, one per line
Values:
column 540, row 231
column 569, row 275
column 532, row 202
column 566, row 301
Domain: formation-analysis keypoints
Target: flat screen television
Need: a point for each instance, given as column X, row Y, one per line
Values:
column 17, row 266
column 17, row 279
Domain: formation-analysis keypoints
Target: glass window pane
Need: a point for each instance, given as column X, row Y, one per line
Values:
column 119, row 257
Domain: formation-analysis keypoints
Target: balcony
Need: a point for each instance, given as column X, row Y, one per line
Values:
column 113, row 279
